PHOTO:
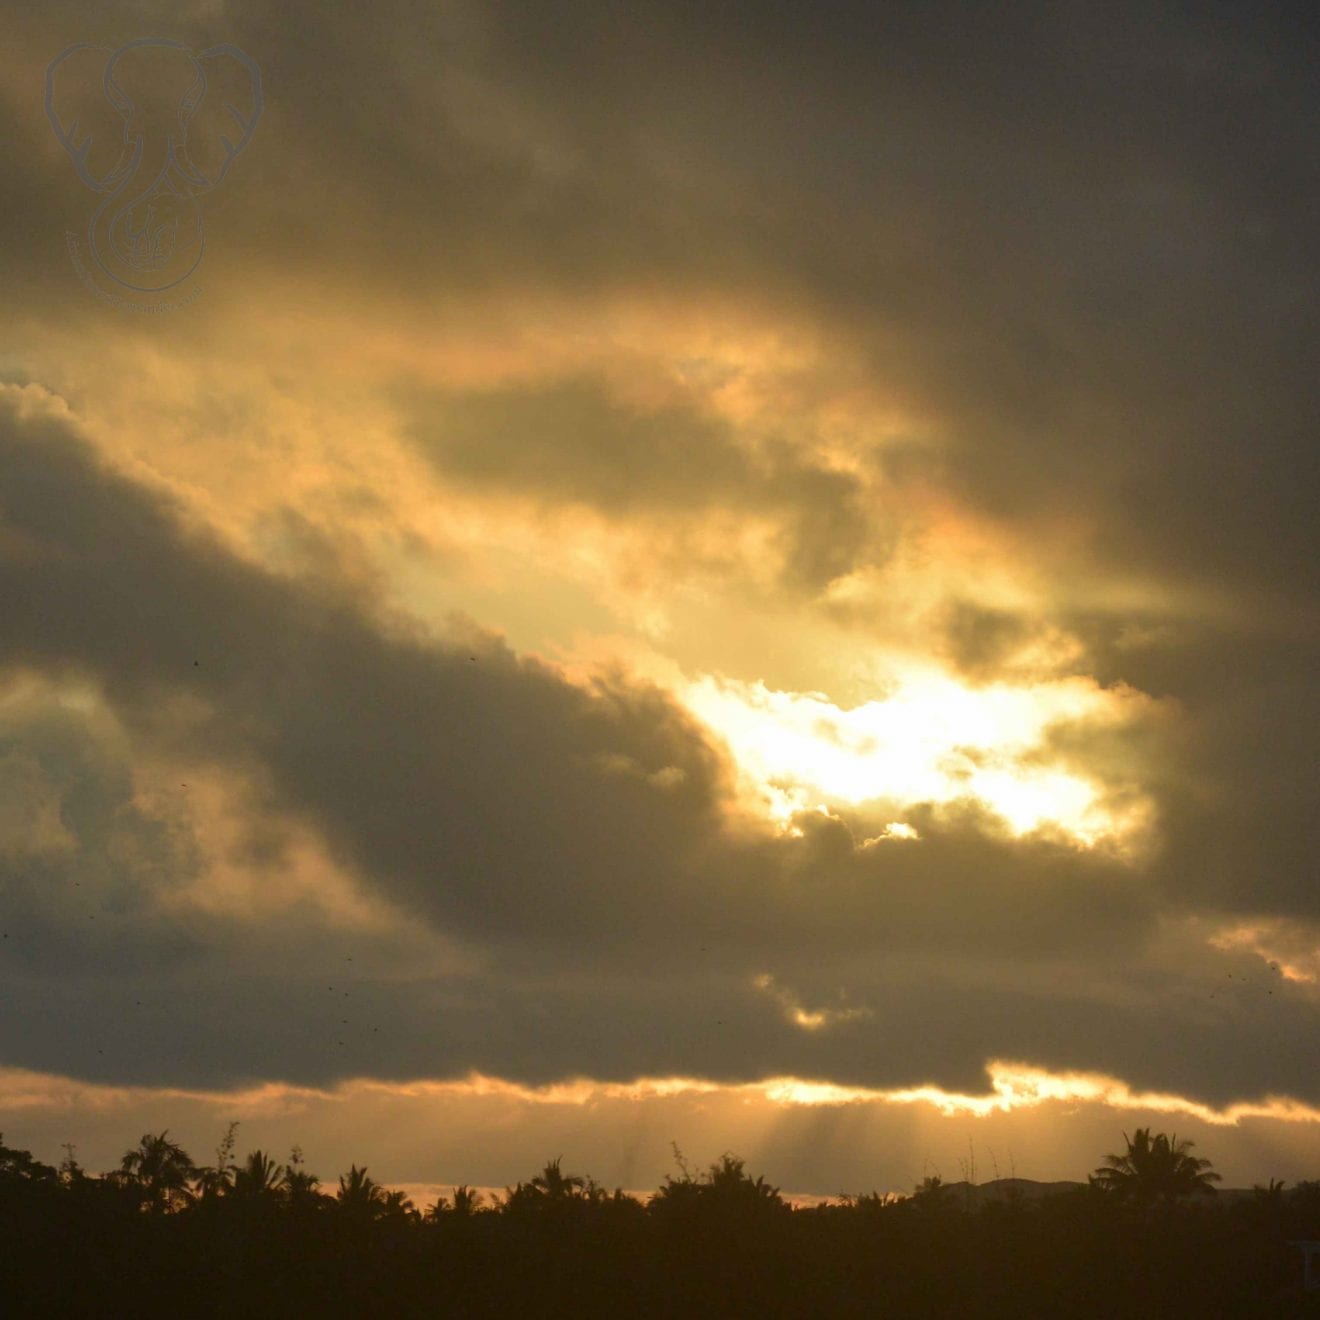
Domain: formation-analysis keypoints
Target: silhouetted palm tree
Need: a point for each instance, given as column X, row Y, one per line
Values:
column 729, row 1180
column 359, row 1195
column 258, row 1176
column 1154, row 1168
column 396, row 1208
column 551, row 1190
column 300, row 1187
column 160, row 1171
column 465, row 1204
column 1271, row 1194
column 725, row 1191
column 555, row 1185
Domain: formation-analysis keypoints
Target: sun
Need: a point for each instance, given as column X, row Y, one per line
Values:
column 930, row 740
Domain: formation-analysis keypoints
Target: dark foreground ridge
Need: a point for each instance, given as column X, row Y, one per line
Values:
column 1147, row 1236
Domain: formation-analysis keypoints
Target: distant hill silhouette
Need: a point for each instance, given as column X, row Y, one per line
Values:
column 1008, row 1189
column 976, row 1195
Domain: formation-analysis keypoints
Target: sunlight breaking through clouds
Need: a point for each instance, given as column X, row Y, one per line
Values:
column 1012, row 1086
column 931, row 740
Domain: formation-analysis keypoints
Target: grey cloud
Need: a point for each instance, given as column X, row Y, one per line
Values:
column 83, row 868
column 487, row 797
column 1235, row 772
column 926, row 1021
column 570, row 442
column 979, row 640
column 478, row 788
column 399, row 749
column 1079, row 240
column 622, row 931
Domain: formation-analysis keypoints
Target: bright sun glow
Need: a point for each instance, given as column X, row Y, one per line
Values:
column 932, row 740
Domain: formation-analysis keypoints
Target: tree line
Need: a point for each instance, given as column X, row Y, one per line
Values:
column 256, row 1237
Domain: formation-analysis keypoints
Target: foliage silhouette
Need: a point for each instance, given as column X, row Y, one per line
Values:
column 160, row 1172
column 550, row 1189
column 257, row 1176
column 466, row 1203
column 359, row 1196
column 18, row 1166
column 1155, row 1168
column 159, row 1235
column 216, row 1179
column 301, row 1189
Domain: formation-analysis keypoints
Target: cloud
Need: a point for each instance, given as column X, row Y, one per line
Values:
column 616, row 922
column 82, row 866
column 1080, row 272
column 569, row 442
column 398, row 747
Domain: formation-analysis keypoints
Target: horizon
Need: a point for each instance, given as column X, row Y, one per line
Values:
column 448, row 1126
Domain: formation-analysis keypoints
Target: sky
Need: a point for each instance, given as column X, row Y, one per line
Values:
column 579, row 579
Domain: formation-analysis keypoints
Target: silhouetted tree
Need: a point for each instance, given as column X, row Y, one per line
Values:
column 725, row 1190
column 301, row 1188
column 466, row 1202
column 258, row 1176
column 553, row 1184
column 718, row 1243
column 1271, row 1193
column 18, row 1166
column 214, row 1180
column 1154, row 1168
column 359, row 1196
column 159, row 1171
column 551, row 1190
column 72, row 1174
column 396, row 1208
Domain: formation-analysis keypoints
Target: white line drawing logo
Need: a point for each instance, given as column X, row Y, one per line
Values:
column 152, row 158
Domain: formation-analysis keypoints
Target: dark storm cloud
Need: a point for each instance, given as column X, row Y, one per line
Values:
column 1243, row 831
column 1236, row 775
column 82, row 866
column 1081, row 237
column 622, row 932
column 481, row 789
column 570, row 443
column 377, row 736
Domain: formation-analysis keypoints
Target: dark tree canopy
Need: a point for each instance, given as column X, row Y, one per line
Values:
column 1155, row 1168
column 254, row 1237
